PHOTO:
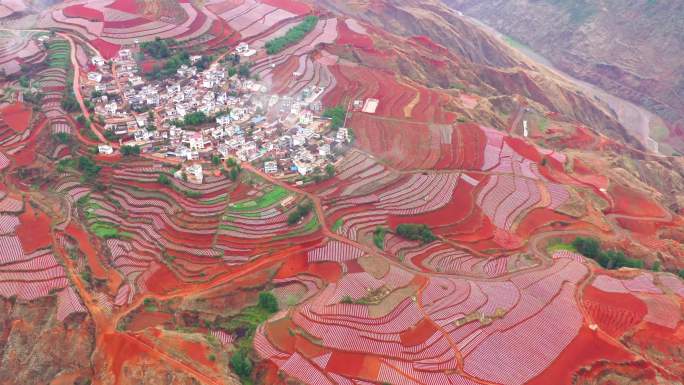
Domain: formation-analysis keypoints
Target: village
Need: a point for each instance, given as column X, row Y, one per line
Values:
column 214, row 112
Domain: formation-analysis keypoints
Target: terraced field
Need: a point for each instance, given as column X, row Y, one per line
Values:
column 440, row 251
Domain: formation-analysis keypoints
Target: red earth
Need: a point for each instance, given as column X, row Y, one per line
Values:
column 631, row 202
column 107, row 50
column 289, row 5
column 17, row 116
column 83, row 12
column 145, row 319
column 614, row 313
column 34, row 230
column 585, row 349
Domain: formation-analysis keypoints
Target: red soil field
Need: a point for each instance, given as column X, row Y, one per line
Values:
column 197, row 352
column 87, row 248
column 308, row 348
column 130, row 6
column 17, row 116
column 147, row 319
column 538, row 218
column 614, row 313
column 328, row 271
column 662, row 342
column 354, row 365
column 107, row 50
column 121, row 24
column 347, row 36
column 458, row 208
column 163, row 281
column 120, row 349
column 419, row 333
column 631, row 202
column 34, row 230
column 292, row 266
column 639, row 226
column 83, row 12
column 586, row 348
column 195, row 25
column 528, row 150
column 289, row 5
column 278, row 333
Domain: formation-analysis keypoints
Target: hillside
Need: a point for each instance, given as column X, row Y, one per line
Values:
column 278, row 192
column 633, row 49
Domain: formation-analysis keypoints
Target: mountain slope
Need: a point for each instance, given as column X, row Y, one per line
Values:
column 632, row 49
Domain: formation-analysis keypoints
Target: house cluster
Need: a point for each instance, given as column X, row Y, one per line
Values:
column 196, row 115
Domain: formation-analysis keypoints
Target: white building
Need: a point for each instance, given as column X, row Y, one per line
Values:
column 342, row 135
column 105, row 149
column 98, row 61
column 125, row 55
column 271, row 167
column 195, row 173
column 196, row 141
column 371, row 106
column 324, row 150
column 111, row 108
column 95, row 77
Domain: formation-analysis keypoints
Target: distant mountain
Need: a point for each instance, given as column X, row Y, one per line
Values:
column 631, row 48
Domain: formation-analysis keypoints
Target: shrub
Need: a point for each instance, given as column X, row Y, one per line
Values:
column 268, row 302
column 241, row 363
column 379, row 237
column 416, row 232
column 302, row 210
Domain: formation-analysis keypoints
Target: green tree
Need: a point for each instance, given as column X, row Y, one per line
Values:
column 416, row 232
column 268, row 302
column 130, row 150
column 292, row 36
column 164, row 179
column 337, row 116
column 244, row 71
column 330, row 170
column 241, row 363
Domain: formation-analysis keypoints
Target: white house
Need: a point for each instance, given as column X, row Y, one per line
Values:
column 271, row 167
column 111, row 108
column 98, row 61
column 125, row 55
column 371, row 105
column 302, row 167
column 324, row 150
column 306, row 117
column 223, row 120
column 95, row 77
column 342, row 134
column 196, row 141
column 195, row 173
column 105, row 149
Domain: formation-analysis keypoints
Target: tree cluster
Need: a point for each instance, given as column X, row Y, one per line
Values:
column 608, row 259
column 302, row 210
column 130, row 150
column 416, row 232
column 337, row 114
column 158, row 48
column 292, row 36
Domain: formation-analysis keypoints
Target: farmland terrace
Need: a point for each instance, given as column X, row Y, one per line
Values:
column 280, row 191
